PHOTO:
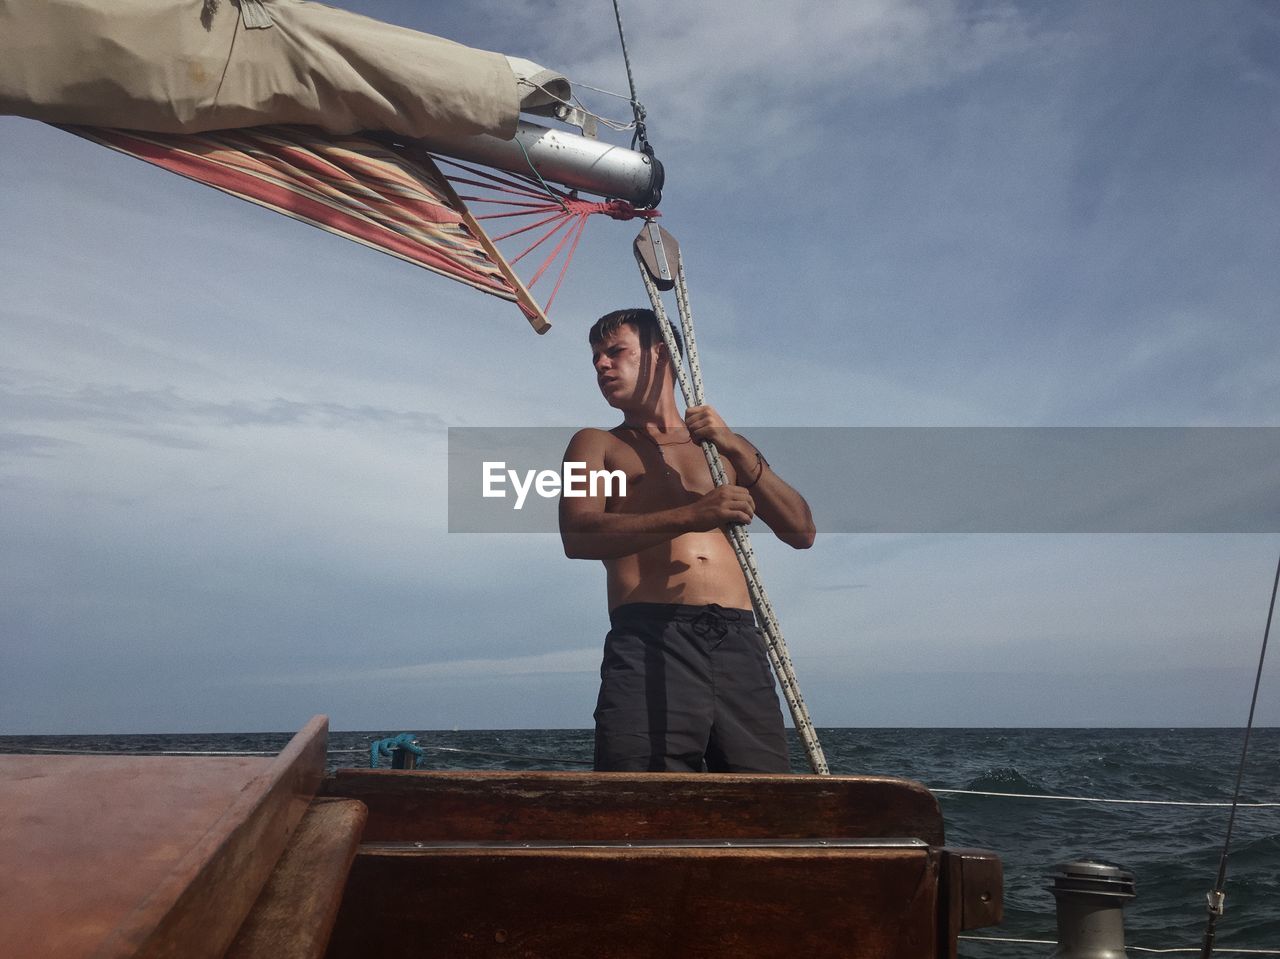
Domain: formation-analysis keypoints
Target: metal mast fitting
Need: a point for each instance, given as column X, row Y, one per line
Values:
column 578, row 162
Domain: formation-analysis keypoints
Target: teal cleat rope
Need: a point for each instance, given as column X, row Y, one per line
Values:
column 386, row 747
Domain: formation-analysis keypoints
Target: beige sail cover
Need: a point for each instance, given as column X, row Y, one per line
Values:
column 185, row 66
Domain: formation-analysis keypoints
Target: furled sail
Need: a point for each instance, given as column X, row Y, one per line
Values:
column 269, row 99
column 184, row 66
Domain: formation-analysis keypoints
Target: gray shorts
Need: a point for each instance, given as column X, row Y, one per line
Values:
column 683, row 686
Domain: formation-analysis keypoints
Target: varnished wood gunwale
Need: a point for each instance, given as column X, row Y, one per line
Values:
column 222, row 877
column 144, row 857
column 422, row 805
column 628, row 903
column 294, row 914
column 499, row 864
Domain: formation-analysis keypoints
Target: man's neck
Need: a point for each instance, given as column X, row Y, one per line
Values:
column 664, row 419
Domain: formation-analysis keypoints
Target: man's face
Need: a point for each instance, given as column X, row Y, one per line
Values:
column 625, row 369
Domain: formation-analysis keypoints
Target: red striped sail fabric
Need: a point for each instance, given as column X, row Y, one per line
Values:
column 351, row 186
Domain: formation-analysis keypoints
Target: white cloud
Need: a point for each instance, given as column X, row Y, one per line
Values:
column 584, row 660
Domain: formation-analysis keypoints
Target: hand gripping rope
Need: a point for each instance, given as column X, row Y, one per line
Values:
column 662, row 268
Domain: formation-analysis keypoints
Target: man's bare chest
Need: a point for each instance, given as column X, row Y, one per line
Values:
column 659, row 477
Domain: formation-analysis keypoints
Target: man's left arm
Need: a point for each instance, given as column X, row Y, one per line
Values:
column 777, row 503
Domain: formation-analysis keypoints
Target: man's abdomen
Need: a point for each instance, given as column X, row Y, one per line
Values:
column 693, row 568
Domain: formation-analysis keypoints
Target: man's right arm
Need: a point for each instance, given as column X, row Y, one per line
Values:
column 588, row 531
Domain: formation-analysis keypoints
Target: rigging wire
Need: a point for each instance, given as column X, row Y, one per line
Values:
column 1217, row 896
column 553, row 194
column 1128, row 948
column 480, row 752
column 1122, row 802
column 608, row 93
column 641, row 136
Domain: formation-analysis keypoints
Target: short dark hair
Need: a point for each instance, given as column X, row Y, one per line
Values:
column 644, row 322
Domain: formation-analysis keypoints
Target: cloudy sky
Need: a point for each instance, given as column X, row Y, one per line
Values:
column 223, row 434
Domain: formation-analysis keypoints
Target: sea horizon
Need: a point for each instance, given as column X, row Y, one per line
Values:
column 587, row 729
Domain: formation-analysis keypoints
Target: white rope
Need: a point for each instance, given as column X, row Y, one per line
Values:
column 1053, row 942
column 776, row 644
column 619, row 125
column 691, row 390
column 1122, row 802
column 1196, row 950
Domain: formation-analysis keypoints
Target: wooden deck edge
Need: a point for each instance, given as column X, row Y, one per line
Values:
column 294, row 916
column 636, row 904
column 551, row 777
column 629, row 854
column 424, row 805
column 196, row 912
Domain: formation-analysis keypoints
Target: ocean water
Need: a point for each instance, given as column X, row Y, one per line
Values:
column 1173, row 850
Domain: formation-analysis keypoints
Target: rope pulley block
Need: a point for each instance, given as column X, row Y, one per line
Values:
column 659, row 254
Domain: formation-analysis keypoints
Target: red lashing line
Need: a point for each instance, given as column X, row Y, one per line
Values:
column 558, row 212
column 577, row 211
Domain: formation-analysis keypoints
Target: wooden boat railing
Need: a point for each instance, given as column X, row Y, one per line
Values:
column 261, row 858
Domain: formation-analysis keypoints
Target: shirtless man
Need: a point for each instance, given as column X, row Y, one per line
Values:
column 685, row 678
